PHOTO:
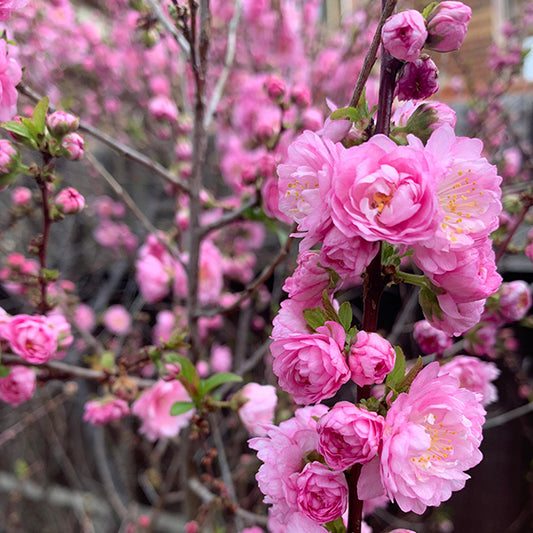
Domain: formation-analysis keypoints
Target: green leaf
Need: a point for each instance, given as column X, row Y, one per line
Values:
column 107, row 360
column 336, row 526
column 4, row 371
column 345, row 314
column 351, row 113
column 331, row 313
column 218, row 379
column 315, row 317
column 17, row 128
column 178, row 408
column 188, row 370
column 411, row 375
column 397, row 374
column 39, row 114
column 428, row 9
column 28, row 122
column 429, row 303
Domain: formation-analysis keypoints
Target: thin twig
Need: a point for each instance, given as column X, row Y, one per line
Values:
column 519, row 219
column 502, row 419
column 120, row 148
column 228, row 62
column 159, row 13
column 229, row 217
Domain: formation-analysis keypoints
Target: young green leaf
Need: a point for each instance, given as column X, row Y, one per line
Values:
column 4, row 371
column 178, row 408
column 218, row 379
column 39, row 114
column 397, row 374
column 315, row 317
column 188, row 370
column 411, row 375
column 345, row 314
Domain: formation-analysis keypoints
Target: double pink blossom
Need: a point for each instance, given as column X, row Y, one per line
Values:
column 105, row 410
column 10, row 76
column 258, row 411
column 404, row 35
column 18, row 386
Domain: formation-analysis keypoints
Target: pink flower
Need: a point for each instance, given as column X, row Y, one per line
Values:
column 430, row 339
column 515, row 300
column 443, row 113
column 308, row 280
column 275, row 87
column 84, row 317
column 59, row 323
column 165, row 322
column 8, row 155
column 153, row 408
column 73, row 146
column 404, row 35
column 349, row 434
column 257, row 414
column 447, row 26
column 10, row 76
column 61, row 122
column 311, row 366
column 290, row 320
column 432, row 435
column 6, row 6
column 418, row 80
column 117, row 320
column 31, row 337
column 305, row 183
column 69, row 201
column 221, row 358
column 371, row 358
column 163, row 108
column 18, row 386
column 105, row 410
column 474, row 375
column 385, row 192
column 457, row 317
column 21, row 196
column 322, row 494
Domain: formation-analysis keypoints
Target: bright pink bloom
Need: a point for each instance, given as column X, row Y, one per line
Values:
column 430, row 339
column 515, row 300
column 322, row 493
column 257, row 414
column 371, row 358
column 308, row 280
column 117, row 320
column 275, row 87
column 447, row 26
column 349, row 434
column 32, row 337
column 153, row 408
column 18, row 386
column 404, row 35
column 69, row 201
column 432, row 435
column 163, row 108
column 61, row 122
column 305, row 183
column 474, row 375
column 21, row 196
column 105, row 410
column 10, row 76
column 418, row 80
column 383, row 191
column 311, row 366
column 73, row 146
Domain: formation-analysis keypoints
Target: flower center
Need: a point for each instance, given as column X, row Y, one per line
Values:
column 381, row 200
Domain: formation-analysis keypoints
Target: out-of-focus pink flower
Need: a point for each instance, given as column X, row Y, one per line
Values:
column 18, row 386
column 69, row 201
column 21, row 195
column 349, row 435
column 221, row 358
column 64, row 333
column 404, row 35
column 165, row 322
column 474, row 375
column 31, row 337
column 84, row 317
column 61, row 122
column 312, row 119
column 117, row 320
column 382, row 191
column 447, row 25
column 275, row 87
column 8, row 153
column 10, row 76
column 153, row 408
column 432, row 435
column 482, row 340
column 301, row 95
column 308, row 280
column 254, row 529
column 322, row 494
column 515, row 300
column 418, row 80
column 258, row 412
column 163, row 108
column 430, row 339
column 105, row 410
column 73, row 146
column 311, row 366
column 371, row 358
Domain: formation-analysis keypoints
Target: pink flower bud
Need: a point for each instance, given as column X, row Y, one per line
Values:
column 99, row 412
column 371, row 358
column 21, row 196
column 447, row 25
column 73, row 146
column 192, row 527
column 8, row 156
column 69, row 201
column 418, row 80
column 18, row 386
column 183, row 151
column 301, row 95
column 430, row 339
column 349, row 435
column 60, row 123
column 275, row 88
column 117, row 320
column 163, row 108
column 404, row 35
column 515, row 300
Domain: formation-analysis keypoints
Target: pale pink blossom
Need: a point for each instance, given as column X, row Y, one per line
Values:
column 21, row 196
column 153, row 408
column 382, row 191
column 257, row 414
column 311, row 366
column 10, row 76
column 447, row 25
column 404, row 35
column 163, row 108
column 221, row 358
column 430, row 339
column 165, row 323
column 153, row 278
column 32, row 337
column 349, row 434
column 84, row 317
column 8, row 153
column 432, row 435
column 290, row 320
column 6, row 6
column 69, row 201
column 515, row 300
column 308, row 280
column 64, row 333
column 457, row 317
column 322, row 494
column 105, row 410
column 18, row 386
column 371, row 358
column 117, row 320
column 474, row 375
